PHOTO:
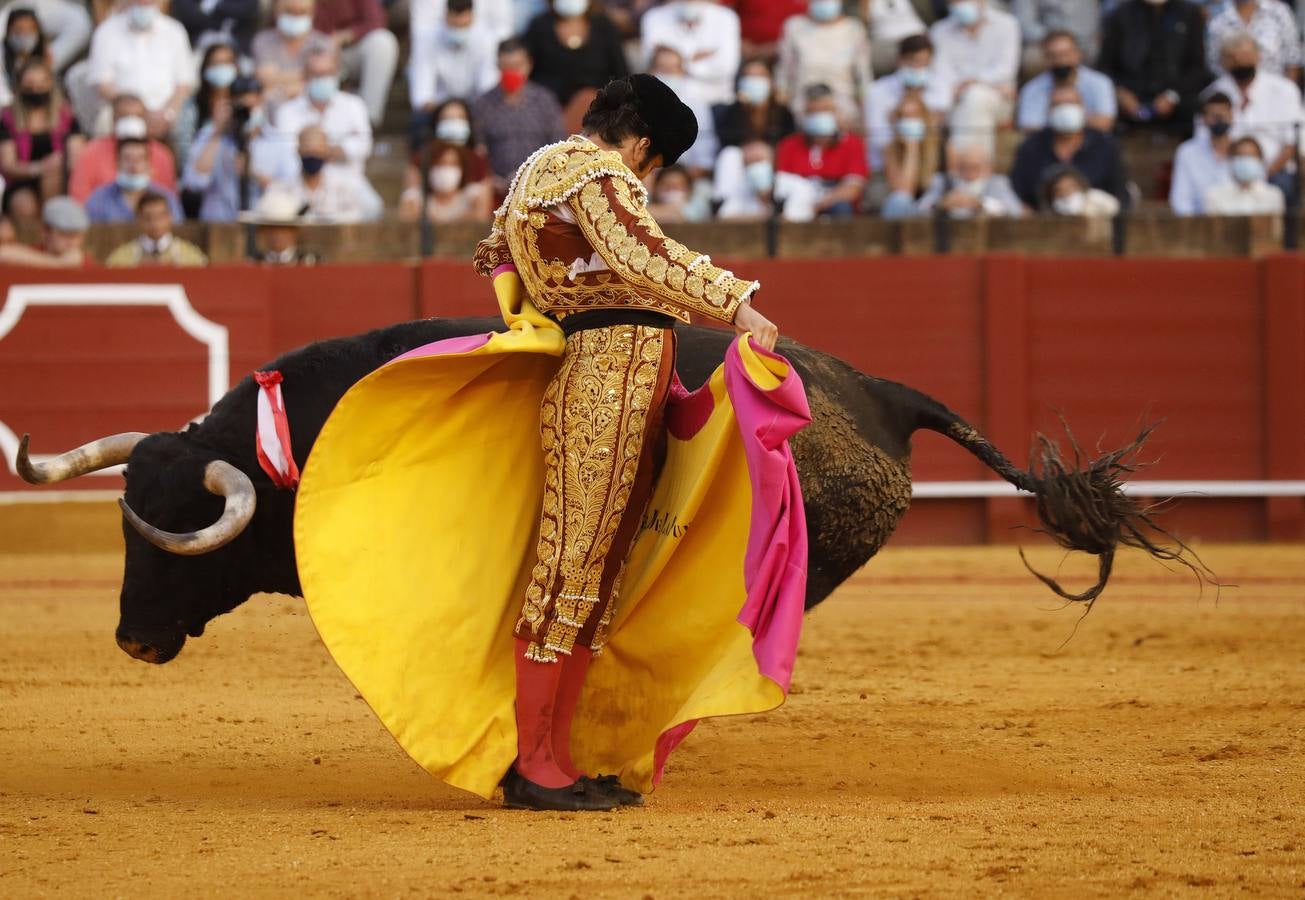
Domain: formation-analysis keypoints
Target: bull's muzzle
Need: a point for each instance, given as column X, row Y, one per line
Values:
column 152, row 647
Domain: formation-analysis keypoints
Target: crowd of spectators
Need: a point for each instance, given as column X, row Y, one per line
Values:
column 154, row 113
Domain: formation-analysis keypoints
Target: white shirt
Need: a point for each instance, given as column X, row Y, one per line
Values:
column 151, row 64
column 438, row 71
column 892, row 20
column 884, row 96
column 731, row 188
column 1267, row 111
column 342, row 197
column 715, row 29
column 836, row 54
column 1197, row 168
column 1231, row 199
column 498, row 17
column 991, row 54
column 344, row 119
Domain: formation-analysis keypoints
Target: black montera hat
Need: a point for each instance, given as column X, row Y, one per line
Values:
column 674, row 126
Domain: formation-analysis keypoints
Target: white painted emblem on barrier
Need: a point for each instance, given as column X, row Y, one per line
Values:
column 170, row 296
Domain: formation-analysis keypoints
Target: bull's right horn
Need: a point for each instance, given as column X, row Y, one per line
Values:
column 224, row 480
column 107, row 451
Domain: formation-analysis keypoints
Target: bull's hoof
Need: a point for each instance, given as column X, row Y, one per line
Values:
column 580, row 796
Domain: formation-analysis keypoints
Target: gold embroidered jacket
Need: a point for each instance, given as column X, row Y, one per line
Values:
column 576, row 225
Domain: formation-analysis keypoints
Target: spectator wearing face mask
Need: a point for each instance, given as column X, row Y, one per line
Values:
column 281, row 52
column 1039, row 18
column 453, row 191
column 1154, row 52
column 1248, row 193
column 1066, row 192
column 1064, row 65
column 97, row 165
column 1203, row 161
column 156, row 245
column 453, row 61
column 369, row 52
column 915, row 77
column 576, row 50
column 756, row 113
column 908, row 159
column 23, row 42
column 706, row 35
column 827, row 158
column 236, row 156
column 228, row 21
column 335, row 195
column 217, row 72
column 341, row 115
column 672, row 197
column 891, row 22
column 668, row 65
column 517, row 116
column 39, row 141
column 1067, row 140
column 59, row 29
column 969, row 188
column 761, row 23
column 453, row 128
column 744, row 181
column 1272, row 26
column 64, row 226
column 1265, row 106
column 116, row 202
column 825, row 47
column 978, row 52
column 139, row 51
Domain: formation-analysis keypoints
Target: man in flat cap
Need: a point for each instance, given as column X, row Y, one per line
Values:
column 576, row 227
column 64, row 225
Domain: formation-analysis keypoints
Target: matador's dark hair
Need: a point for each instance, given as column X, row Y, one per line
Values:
column 614, row 114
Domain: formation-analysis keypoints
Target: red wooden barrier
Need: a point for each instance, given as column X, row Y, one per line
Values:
column 1216, row 348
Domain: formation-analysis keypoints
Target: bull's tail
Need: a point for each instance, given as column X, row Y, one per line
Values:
column 1080, row 503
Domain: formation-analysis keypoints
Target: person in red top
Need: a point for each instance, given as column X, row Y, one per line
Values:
column 833, row 160
column 762, row 22
column 368, row 50
column 97, row 165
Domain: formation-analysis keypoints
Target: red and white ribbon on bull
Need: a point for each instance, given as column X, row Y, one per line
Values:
column 272, row 441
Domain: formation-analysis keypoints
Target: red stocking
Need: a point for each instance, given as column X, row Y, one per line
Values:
column 574, row 669
column 537, row 690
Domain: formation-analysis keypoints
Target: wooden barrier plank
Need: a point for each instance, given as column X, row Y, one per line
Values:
column 1006, row 377
column 1284, row 383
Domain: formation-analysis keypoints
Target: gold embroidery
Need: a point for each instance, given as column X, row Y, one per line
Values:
column 592, row 424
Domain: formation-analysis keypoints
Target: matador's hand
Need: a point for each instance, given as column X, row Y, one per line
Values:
column 764, row 332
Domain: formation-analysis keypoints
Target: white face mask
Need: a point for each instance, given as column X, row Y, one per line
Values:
column 1074, row 204
column 674, row 197
column 974, row 188
column 445, row 179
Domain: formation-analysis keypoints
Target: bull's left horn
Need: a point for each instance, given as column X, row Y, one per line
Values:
column 220, row 478
column 107, row 451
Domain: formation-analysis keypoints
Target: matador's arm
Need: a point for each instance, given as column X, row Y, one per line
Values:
column 617, row 224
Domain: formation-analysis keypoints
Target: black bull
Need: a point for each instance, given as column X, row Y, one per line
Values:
column 853, row 461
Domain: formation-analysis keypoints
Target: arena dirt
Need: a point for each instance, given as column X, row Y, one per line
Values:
column 940, row 742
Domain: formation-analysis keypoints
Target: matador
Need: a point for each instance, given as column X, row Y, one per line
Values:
column 575, row 225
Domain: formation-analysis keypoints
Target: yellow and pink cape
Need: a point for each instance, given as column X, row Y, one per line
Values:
column 415, row 532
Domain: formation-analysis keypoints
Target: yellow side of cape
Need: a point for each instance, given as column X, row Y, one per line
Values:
column 415, row 533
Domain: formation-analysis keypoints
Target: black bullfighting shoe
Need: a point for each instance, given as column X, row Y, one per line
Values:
column 611, row 785
column 582, row 796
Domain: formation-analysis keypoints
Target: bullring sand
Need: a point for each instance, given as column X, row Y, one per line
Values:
column 940, row 742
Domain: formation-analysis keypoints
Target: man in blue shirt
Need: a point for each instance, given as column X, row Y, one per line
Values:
column 1064, row 58
column 116, row 201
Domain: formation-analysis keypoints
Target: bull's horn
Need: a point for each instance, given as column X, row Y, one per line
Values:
column 107, row 451
column 220, row 478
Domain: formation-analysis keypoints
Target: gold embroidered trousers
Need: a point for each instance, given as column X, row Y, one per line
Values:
column 601, row 424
